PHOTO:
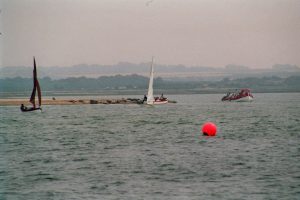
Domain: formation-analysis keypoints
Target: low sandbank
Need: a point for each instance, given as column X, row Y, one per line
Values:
column 17, row 102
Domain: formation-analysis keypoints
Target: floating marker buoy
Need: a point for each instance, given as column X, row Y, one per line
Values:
column 209, row 129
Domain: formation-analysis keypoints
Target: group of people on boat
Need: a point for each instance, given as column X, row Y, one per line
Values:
column 161, row 98
column 230, row 96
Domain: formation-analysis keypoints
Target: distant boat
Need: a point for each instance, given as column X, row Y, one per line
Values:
column 36, row 89
column 150, row 99
column 244, row 95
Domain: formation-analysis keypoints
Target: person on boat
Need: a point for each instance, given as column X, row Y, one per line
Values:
column 237, row 92
column 162, row 96
column 23, row 108
column 145, row 98
column 227, row 95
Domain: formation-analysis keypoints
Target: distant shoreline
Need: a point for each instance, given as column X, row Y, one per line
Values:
column 138, row 85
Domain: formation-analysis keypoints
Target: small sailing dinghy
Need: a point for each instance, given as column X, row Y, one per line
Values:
column 150, row 99
column 36, row 89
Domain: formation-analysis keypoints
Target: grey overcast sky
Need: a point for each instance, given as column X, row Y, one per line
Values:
column 255, row 33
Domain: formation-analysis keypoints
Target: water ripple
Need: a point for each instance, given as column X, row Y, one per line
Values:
column 137, row 152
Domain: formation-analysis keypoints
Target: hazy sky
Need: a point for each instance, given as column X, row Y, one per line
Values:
column 255, row 33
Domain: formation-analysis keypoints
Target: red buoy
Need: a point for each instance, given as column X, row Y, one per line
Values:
column 209, row 129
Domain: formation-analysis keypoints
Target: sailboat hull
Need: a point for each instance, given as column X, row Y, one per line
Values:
column 30, row 109
column 160, row 102
column 157, row 102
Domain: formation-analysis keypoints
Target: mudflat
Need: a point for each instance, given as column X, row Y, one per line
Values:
column 15, row 102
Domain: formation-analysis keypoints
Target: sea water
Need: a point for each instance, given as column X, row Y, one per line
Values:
column 153, row 152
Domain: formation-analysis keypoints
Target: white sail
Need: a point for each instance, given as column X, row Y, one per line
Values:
column 150, row 98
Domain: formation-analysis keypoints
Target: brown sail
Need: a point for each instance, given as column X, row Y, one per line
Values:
column 36, row 87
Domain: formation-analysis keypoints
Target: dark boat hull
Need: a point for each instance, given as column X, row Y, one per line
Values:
column 30, row 109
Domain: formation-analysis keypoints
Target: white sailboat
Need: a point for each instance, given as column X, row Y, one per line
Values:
column 151, row 100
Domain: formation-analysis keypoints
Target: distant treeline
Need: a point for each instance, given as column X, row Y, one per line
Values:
column 166, row 71
column 137, row 82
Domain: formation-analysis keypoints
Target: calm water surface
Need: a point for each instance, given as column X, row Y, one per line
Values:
column 144, row 152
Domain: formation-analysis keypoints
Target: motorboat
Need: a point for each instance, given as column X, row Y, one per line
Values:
column 243, row 95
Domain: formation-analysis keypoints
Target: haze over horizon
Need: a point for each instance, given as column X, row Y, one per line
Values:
column 212, row 33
